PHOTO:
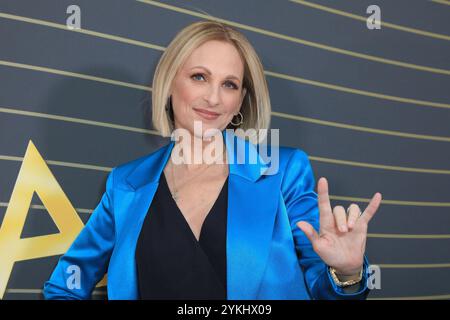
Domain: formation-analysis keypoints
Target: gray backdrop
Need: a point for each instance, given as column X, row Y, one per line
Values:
column 370, row 108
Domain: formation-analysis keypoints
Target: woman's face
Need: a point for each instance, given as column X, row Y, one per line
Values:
column 210, row 81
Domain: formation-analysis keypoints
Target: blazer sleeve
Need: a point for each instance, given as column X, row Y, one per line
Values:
column 86, row 261
column 302, row 205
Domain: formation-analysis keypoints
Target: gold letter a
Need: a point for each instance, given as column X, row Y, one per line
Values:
column 34, row 176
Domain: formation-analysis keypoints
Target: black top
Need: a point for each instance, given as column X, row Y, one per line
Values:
column 171, row 263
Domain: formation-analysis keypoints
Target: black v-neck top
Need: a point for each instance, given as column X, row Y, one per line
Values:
column 170, row 262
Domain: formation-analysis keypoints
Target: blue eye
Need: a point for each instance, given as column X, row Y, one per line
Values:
column 229, row 84
column 232, row 85
column 196, row 75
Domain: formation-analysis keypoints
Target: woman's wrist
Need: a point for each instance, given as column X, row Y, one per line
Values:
column 346, row 278
column 348, row 274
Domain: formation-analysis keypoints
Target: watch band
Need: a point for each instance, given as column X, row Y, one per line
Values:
column 344, row 283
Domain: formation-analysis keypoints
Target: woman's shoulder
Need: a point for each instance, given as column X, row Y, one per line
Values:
column 291, row 156
column 291, row 151
column 280, row 160
column 122, row 170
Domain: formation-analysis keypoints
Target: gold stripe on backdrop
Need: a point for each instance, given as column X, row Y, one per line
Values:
column 435, row 297
column 274, row 113
column 73, row 75
column 278, row 114
column 394, row 202
column 82, row 31
column 269, row 73
column 442, row 2
column 369, row 235
column 364, row 19
column 414, row 266
column 77, row 120
column 297, row 40
column 155, row 133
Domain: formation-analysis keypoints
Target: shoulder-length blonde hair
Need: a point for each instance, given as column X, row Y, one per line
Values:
column 256, row 109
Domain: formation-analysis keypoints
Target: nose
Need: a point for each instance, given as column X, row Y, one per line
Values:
column 213, row 95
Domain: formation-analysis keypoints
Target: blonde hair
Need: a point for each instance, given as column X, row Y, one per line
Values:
column 256, row 109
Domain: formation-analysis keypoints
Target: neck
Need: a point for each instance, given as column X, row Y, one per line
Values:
column 196, row 152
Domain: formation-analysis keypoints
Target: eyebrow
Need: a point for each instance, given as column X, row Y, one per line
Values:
column 209, row 72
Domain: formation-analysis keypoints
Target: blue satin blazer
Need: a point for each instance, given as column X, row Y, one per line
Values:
column 268, row 256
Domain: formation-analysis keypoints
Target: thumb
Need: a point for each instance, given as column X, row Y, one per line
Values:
column 308, row 230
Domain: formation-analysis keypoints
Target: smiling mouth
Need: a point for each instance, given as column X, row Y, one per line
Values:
column 206, row 114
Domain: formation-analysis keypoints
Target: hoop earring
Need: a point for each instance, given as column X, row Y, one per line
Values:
column 240, row 122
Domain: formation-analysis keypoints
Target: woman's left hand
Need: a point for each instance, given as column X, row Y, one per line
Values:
column 341, row 241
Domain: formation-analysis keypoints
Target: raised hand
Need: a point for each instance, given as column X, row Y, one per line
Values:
column 341, row 240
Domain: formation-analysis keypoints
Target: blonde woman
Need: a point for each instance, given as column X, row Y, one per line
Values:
column 168, row 227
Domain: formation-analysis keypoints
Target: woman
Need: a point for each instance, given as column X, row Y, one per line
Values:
column 216, row 230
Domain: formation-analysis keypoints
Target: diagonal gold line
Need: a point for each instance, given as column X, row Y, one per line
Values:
column 369, row 235
column 359, row 128
column 269, row 73
column 274, row 113
column 408, row 236
column 435, row 297
column 394, row 202
column 297, row 40
column 378, row 166
column 357, row 91
column 77, row 120
column 41, row 207
column 332, row 197
column 153, row 132
column 145, row 88
column 73, row 75
column 364, row 19
column 278, row 75
column 103, row 124
column 350, row 163
column 61, row 164
column 25, row 291
column 82, row 31
column 442, row 2
column 414, row 266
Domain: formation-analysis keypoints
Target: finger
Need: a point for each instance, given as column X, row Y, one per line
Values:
column 308, row 230
column 341, row 218
column 372, row 208
column 326, row 214
column 353, row 215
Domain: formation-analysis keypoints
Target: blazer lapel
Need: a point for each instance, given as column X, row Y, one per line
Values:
column 135, row 202
column 251, row 213
column 252, row 206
